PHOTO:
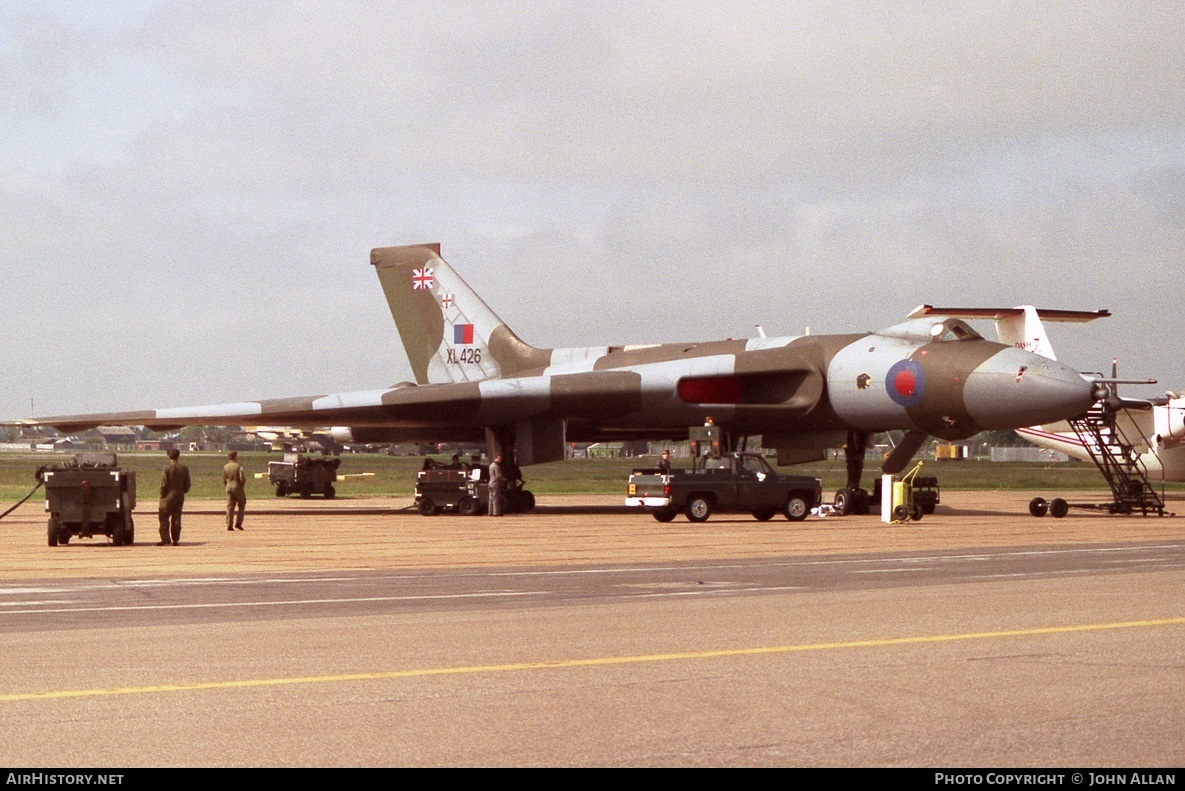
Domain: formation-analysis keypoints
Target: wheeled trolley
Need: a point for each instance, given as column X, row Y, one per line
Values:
column 89, row 495
column 465, row 491
column 304, row 475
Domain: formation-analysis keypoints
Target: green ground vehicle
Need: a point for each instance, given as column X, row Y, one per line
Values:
column 304, row 475
column 466, row 491
column 89, row 495
column 732, row 483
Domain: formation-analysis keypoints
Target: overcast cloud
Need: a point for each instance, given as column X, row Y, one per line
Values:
column 189, row 190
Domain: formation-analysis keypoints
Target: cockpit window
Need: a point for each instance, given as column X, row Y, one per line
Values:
column 933, row 331
column 953, row 330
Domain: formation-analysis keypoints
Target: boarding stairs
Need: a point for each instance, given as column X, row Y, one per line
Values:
column 1117, row 458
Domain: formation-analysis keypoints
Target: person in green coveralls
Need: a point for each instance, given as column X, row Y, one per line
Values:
column 174, row 483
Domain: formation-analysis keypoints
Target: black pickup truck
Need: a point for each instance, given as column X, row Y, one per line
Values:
column 737, row 483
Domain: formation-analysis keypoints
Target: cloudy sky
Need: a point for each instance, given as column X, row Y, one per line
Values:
column 189, row 190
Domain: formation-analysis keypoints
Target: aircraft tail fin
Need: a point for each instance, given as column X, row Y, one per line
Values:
column 1020, row 326
column 448, row 332
column 1025, row 331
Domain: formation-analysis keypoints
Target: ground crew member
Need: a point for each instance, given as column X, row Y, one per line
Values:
column 174, row 483
column 664, row 463
column 497, row 483
column 235, row 481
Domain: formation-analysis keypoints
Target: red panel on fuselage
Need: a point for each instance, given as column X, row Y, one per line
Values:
column 711, row 390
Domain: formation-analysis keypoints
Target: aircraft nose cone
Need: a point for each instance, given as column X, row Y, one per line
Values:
column 1016, row 388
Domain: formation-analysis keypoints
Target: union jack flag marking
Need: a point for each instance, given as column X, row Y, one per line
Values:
column 422, row 278
column 447, row 301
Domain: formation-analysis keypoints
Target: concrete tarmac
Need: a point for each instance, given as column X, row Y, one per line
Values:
column 582, row 635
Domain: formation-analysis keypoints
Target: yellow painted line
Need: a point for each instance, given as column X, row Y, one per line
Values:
column 597, row 662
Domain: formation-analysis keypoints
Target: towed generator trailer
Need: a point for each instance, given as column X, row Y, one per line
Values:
column 89, row 495
column 467, row 492
column 304, row 475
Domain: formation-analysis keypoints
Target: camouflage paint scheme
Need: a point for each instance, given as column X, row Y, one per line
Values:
column 1155, row 427
column 478, row 381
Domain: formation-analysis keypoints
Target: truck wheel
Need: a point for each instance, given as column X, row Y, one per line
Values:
column 53, row 532
column 281, row 490
column 117, row 534
column 1038, row 506
column 527, row 501
column 665, row 514
column 330, row 492
column 129, row 532
column 843, row 502
column 468, row 506
column 427, row 507
column 764, row 514
column 699, row 508
column 64, row 536
column 306, row 491
column 1058, row 508
column 796, row 508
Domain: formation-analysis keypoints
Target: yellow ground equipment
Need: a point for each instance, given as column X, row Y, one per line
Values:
column 904, row 506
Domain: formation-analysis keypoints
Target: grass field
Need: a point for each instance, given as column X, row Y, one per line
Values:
column 394, row 476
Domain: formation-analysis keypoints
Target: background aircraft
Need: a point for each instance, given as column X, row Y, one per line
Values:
column 1154, row 427
column 476, row 380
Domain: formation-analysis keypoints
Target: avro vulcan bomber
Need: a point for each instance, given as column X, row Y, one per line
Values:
column 476, row 380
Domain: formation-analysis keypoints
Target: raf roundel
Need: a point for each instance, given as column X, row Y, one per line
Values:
column 905, row 383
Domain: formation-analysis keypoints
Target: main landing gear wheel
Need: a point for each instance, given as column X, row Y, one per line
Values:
column 849, row 502
column 862, row 502
column 844, row 502
column 699, row 508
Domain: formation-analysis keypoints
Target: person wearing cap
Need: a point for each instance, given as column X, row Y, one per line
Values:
column 664, row 463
